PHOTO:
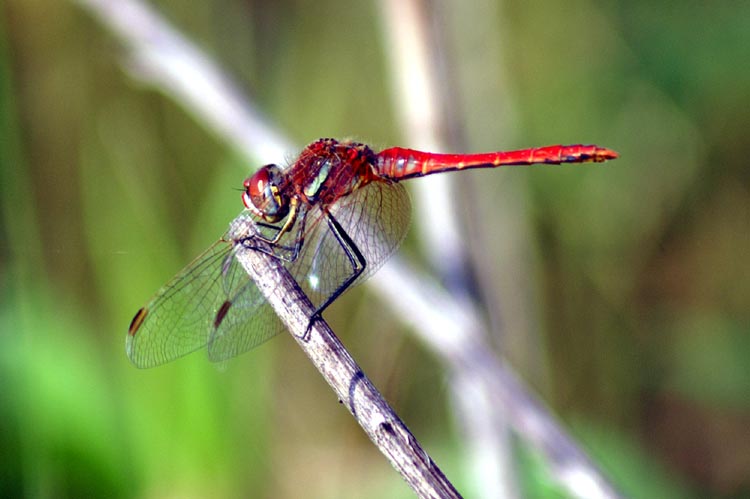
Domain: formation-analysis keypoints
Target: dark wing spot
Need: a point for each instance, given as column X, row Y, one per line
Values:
column 140, row 316
column 222, row 313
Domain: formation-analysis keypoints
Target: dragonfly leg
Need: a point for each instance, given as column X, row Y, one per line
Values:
column 291, row 219
column 271, row 245
column 356, row 259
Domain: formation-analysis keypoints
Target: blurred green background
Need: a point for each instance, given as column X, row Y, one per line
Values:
column 641, row 295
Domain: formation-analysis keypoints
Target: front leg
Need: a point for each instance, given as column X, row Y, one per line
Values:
column 271, row 245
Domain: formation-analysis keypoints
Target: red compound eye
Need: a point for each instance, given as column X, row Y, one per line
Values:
column 263, row 194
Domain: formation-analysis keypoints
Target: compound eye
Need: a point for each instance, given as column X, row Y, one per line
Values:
column 263, row 194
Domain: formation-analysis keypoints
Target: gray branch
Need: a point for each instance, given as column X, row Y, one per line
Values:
column 338, row 368
column 453, row 331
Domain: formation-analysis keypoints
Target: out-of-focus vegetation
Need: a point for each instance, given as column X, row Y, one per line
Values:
column 637, row 272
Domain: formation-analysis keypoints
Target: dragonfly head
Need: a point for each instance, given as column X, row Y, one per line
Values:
column 263, row 194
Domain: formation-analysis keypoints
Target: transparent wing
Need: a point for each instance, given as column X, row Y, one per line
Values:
column 181, row 317
column 250, row 321
column 246, row 319
column 177, row 320
column 212, row 302
column 375, row 217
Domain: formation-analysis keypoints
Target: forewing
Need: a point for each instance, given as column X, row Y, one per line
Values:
column 376, row 218
column 246, row 321
column 178, row 319
column 211, row 301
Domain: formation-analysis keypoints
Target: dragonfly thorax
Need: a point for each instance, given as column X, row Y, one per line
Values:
column 264, row 196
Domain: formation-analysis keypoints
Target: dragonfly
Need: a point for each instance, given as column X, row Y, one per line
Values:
column 332, row 218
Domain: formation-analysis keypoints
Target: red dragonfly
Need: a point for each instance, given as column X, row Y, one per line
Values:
column 333, row 217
